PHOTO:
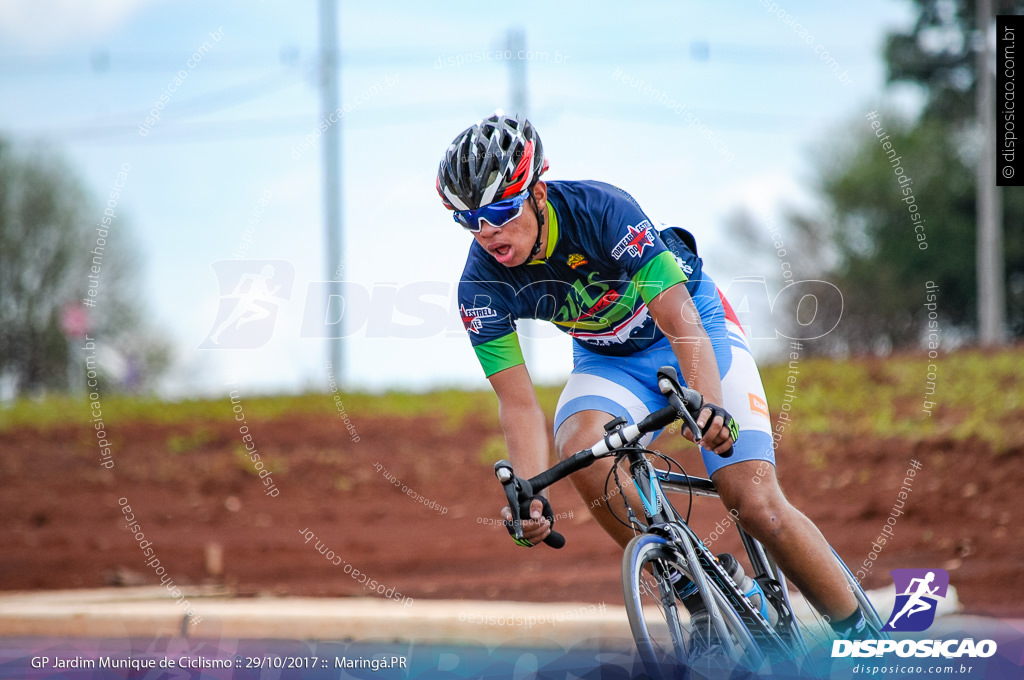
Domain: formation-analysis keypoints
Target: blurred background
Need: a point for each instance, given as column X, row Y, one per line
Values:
column 219, row 148
column 184, row 186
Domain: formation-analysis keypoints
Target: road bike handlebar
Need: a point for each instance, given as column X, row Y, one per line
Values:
column 684, row 403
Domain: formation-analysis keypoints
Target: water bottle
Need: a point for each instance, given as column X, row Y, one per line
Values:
column 749, row 587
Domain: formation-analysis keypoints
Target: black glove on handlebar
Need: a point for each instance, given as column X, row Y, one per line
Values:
column 727, row 419
column 524, row 513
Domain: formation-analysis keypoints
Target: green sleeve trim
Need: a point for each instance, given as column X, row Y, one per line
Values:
column 499, row 354
column 658, row 275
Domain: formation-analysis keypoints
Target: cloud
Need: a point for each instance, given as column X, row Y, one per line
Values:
column 45, row 23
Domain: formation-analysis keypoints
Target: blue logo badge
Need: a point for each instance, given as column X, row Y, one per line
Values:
column 918, row 592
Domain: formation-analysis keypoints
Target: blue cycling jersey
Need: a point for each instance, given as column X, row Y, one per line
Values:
column 604, row 262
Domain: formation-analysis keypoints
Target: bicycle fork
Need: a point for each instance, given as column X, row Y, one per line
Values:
column 704, row 566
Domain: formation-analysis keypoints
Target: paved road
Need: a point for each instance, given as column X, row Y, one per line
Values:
column 153, row 612
column 342, row 638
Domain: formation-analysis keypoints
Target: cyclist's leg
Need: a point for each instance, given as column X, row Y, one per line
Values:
column 747, row 482
column 792, row 539
column 600, row 388
column 579, row 431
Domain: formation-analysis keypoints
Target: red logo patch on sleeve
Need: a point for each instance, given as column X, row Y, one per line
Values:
column 634, row 242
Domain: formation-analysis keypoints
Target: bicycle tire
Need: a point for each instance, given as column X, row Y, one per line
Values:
column 663, row 646
column 875, row 623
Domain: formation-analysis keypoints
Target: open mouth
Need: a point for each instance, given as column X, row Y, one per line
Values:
column 502, row 253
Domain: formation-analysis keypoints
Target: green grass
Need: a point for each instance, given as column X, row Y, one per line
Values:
column 976, row 394
column 54, row 411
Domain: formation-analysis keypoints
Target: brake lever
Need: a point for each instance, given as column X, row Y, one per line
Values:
column 668, row 383
column 503, row 471
column 688, row 420
column 516, row 489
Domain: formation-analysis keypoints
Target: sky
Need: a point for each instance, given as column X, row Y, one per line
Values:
column 698, row 109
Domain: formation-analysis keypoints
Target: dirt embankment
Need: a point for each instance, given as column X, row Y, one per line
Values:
column 194, row 494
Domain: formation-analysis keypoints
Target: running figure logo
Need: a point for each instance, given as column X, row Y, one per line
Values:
column 921, row 589
column 250, row 293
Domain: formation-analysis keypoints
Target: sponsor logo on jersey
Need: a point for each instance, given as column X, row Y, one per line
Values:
column 471, row 318
column 634, row 242
column 758, row 405
column 576, row 260
column 603, row 303
column 687, row 269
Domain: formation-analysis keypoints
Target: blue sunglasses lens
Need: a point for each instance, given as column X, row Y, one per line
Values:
column 499, row 214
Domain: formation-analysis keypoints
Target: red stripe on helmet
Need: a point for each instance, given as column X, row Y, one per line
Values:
column 440, row 192
column 522, row 172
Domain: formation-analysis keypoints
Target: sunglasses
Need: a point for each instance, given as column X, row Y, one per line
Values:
column 497, row 214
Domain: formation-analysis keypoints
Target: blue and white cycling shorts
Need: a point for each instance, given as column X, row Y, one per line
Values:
column 627, row 386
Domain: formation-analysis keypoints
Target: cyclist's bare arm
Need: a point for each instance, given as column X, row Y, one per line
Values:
column 677, row 317
column 525, row 428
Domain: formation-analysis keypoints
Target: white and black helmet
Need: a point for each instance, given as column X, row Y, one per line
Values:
column 495, row 159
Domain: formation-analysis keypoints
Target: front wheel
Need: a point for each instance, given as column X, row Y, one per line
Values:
column 656, row 614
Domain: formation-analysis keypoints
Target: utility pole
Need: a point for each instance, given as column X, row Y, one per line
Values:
column 989, row 257
column 329, row 95
column 515, row 42
column 517, row 70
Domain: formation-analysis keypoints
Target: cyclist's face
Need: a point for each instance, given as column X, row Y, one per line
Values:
column 511, row 243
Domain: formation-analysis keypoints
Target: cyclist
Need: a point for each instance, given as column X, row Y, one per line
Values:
column 634, row 296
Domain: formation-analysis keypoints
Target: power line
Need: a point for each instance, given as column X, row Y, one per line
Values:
column 177, row 131
column 102, row 62
column 206, row 103
column 172, row 125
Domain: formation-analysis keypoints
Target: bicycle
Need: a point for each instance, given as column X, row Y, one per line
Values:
column 666, row 548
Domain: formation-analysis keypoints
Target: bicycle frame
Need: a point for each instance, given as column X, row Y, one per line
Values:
column 766, row 572
column 705, row 570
